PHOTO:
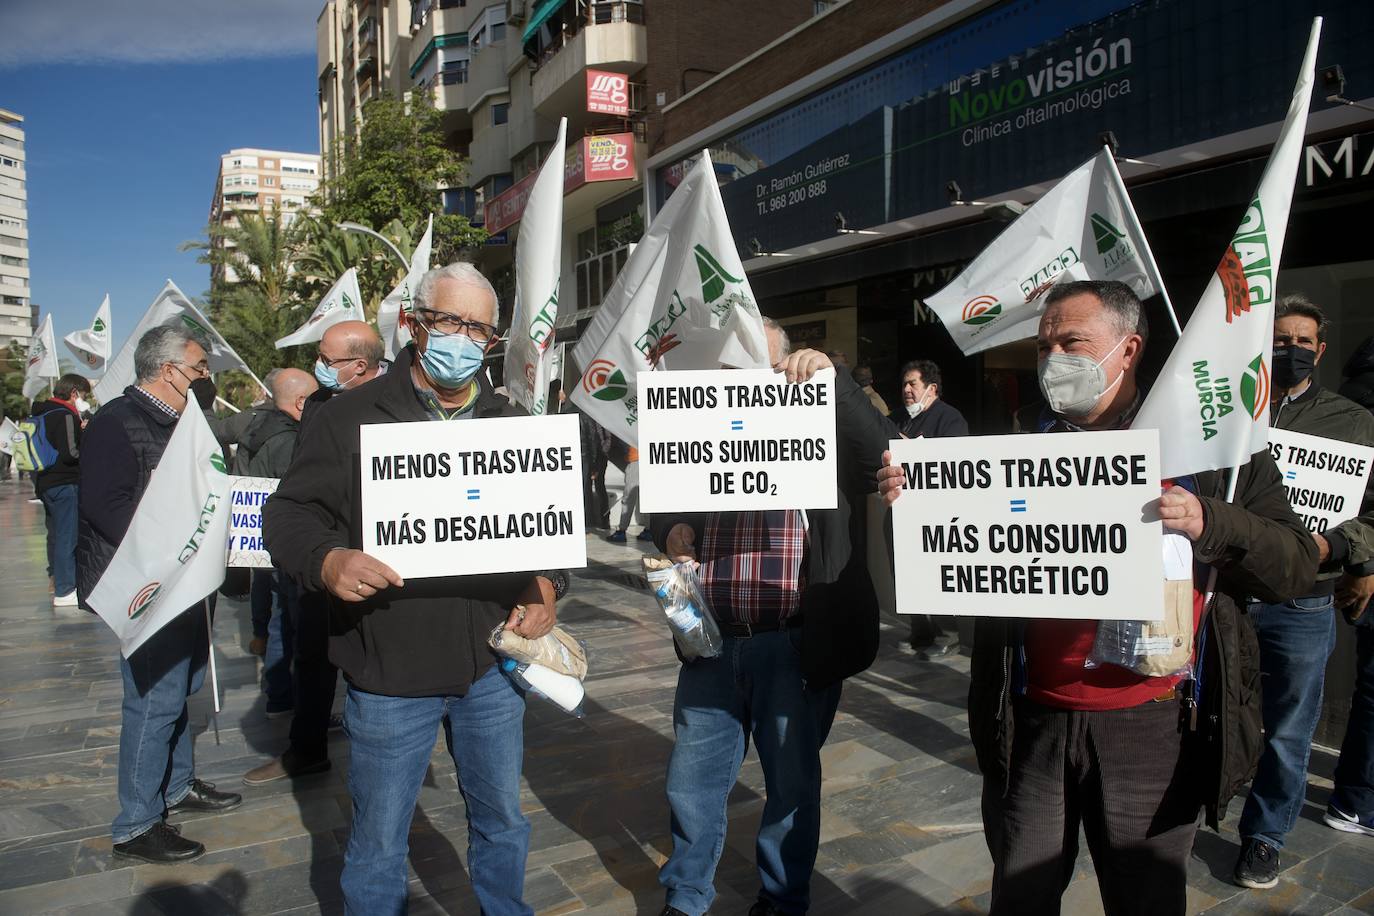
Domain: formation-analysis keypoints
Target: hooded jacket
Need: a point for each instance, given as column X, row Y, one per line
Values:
column 267, row 445
column 63, row 427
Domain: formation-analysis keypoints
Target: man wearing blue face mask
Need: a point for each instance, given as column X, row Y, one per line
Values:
column 415, row 654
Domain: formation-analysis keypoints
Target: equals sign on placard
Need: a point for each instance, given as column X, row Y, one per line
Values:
column 1290, row 475
column 736, row 425
column 474, row 493
column 1018, row 505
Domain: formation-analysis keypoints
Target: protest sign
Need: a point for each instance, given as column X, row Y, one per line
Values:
column 1030, row 526
column 721, row 440
column 1324, row 478
column 473, row 496
column 245, row 521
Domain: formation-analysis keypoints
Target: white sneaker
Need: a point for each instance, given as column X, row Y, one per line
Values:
column 67, row 600
column 1337, row 819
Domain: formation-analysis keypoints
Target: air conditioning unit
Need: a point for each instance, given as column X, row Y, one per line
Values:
column 515, row 12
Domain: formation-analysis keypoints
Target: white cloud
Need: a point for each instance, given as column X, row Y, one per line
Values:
column 154, row 31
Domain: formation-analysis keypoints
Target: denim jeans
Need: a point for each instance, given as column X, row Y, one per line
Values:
column 1295, row 640
column 281, row 633
column 155, row 743
column 753, row 689
column 59, row 510
column 392, row 739
column 1355, row 771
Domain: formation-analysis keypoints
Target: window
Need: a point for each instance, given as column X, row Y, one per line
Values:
column 11, row 142
column 269, row 182
column 12, row 240
column 14, row 300
column 14, row 221
column 13, row 281
column 500, row 114
column 12, row 163
column 13, row 261
column 269, row 163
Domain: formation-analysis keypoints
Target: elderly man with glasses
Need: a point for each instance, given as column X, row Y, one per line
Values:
column 123, row 444
column 415, row 653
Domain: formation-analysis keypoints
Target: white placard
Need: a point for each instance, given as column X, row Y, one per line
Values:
column 473, row 496
column 726, row 440
column 246, row 547
column 1030, row 526
column 1324, row 478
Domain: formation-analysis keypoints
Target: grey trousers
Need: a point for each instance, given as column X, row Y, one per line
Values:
column 1118, row 774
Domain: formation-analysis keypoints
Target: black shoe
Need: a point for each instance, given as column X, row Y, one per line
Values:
column 672, row 911
column 203, row 797
column 938, row 650
column 163, row 845
column 763, row 907
column 1258, row 865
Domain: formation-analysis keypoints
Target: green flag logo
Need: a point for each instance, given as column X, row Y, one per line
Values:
column 713, row 276
column 604, row 381
column 98, row 327
column 1254, row 387
column 1105, row 233
column 144, row 599
column 217, row 462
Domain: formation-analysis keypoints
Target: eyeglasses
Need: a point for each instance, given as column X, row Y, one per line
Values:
column 330, row 362
column 442, row 324
column 202, row 368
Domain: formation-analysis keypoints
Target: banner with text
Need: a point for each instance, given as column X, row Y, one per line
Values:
column 1033, row 526
column 1324, row 478
column 246, row 497
column 437, row 503
column 724, row 440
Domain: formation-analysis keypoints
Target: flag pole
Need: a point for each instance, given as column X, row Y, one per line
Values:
column 1147, row 255
column 210, row 637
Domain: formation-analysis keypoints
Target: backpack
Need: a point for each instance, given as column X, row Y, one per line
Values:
column 32, row 450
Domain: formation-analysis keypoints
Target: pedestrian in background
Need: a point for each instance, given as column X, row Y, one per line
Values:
column 56, row 484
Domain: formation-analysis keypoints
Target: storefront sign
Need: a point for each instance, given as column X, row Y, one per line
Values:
column 724, row 440
column 1324, row 478
column 473, row 496
column 246, row 546
column 1030, row 526
column 605, row 157
column 506, row 208
column 608, row 93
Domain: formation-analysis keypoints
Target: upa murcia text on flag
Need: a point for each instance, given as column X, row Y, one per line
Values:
column 736, row 440
column 473, row 496
column 1029, row 526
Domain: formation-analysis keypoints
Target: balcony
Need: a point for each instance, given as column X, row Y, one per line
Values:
column 443, row 27
column 618, row 44
column 367, row 32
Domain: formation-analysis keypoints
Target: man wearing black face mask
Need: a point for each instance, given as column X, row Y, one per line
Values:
column 122, row 446
column 1296, row 637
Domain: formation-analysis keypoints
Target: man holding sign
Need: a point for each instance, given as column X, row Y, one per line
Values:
column 1061, row 744
column 1311, row 437
column 791, row 593
column 414, row 652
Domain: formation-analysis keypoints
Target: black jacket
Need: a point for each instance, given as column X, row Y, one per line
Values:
column 63, row 428
column 936, row 421
column 1359, row 375
column 124, row 443
column 267, row 445
column 839, row 607
column 428, row 638
column 1260, row 549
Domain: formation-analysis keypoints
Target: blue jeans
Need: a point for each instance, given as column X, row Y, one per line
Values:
column 1295, row 640
column 155, row 744
column 281, row 638
column 1355, row 771
column 392, row 739
column 59, row 510
column 753, row 689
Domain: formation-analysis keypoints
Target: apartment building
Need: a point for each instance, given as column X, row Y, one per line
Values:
column 259, row 181
column 16, row 312
column 504, row 71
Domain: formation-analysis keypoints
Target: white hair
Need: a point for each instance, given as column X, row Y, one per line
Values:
column 464, row 274
column 784, row 342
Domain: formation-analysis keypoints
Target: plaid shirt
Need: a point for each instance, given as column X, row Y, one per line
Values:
column 752, row 565
column 156, row 402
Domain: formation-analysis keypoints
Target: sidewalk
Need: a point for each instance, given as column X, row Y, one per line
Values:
column 901, row 830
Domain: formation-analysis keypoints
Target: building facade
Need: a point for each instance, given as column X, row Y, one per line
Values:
column 260, row 181
column 854, row 145
column 16, row 306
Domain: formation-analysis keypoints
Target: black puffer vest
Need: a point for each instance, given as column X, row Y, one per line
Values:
column 148, row 431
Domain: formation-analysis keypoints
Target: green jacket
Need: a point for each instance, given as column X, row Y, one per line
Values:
column 1320, row 412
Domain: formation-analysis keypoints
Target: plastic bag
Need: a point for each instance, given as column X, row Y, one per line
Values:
column 1155, row 648
column 555, row 650
column 562, row 690
column 678, row 591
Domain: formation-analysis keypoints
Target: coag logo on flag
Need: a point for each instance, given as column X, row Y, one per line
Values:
column 36, row 352
column 143, row 599
column 541, row 325
column 1043, row 278
column 1254, row 387
column 1246, row 269
column 981, row 310
column 604, row 381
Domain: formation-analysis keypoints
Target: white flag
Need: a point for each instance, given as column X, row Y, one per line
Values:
column 681, row 301
column 1083, row 229
column 92, row 346
column 41, row 368
column 395, row 335
column 173, row 553
column 7, row 433
column 1211, row 401
column 170, row 307
column 538, row 260
column 343, row 302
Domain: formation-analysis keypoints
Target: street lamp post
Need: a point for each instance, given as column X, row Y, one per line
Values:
column 359, row 227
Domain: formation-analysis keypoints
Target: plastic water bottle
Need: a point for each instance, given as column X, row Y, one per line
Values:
column 562, row 690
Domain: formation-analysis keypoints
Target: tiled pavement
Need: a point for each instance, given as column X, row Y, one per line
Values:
column 901, row 825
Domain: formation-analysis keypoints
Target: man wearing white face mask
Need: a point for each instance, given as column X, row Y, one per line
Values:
column 415, row 654
column 924, row 412
column 56, row 484
column 1127, row 758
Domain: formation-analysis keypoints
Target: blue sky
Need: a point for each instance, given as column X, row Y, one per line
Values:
column 125, row 135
